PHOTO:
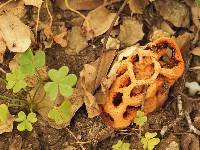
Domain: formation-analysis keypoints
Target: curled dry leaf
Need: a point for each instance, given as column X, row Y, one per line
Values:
column 16, row 34
column 76, row 41
column 2, row 48
column 131, row 31
column 80, row 4
column 95, row 23
column 7, row 126
column 36, row 3
column 174, row 11
column 60, row 39
column 138, row 6
column 90, row 79
column 196, row 51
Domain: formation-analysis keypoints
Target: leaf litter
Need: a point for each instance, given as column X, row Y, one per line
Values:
column 77, row 37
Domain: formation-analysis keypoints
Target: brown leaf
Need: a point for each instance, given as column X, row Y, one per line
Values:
column 190, row 141
column 196, row 51
column 138, row 6
column 131, row 31
column 36, row 3
column 16, row 143
column 80, row 4
column 2, row 48
column 7, row 126
column 173, row 11
column 76, row 41
column 98, row 21
column 112, row 43
column 60, row 39
column 16, row 34
column 195, row 10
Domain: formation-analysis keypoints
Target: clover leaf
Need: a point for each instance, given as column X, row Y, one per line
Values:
column 197, row 2
column 25, row 121
column 149, row 141
column 62, row 113
column 4, row 113
column 61, row 82
column 121, row 146
column 29, row 63
column 15, row 80
column 140, row 118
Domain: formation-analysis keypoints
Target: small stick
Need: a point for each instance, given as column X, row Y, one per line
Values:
column 78, row 142
column 49, row 13
column 37, row 23
column 4, row 4
column 191, row 126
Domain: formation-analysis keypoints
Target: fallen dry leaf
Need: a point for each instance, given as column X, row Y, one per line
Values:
column 60, row 39
column 2, row 48
column 95, row 23
column 190, row 141
column 36, row 3
column 15, row 8
column 131, row 31
column 158, row 33
column 173, row 11
column 16, row 34
column 7, row 126
column 16, row 143
column 112, row 43
column 196, row 51
column 195, row 10
column 80, row 4
column 138, row 6
column 76, row 41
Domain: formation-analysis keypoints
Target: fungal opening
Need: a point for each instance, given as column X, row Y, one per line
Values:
column 117, row 99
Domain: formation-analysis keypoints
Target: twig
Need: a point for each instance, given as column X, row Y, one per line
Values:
column 191, row 126
column 3, row 71
column 48, row 11
column 189, row 98
column 4, row 4
column 78, row 142
column 38, row 19
column 112, row 25
column 180, row 105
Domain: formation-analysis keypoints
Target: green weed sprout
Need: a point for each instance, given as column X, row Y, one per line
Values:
column 26, row 121
column 30, row 63
column 61, row 82
column 140, row 118
column 4, row 113
column 15, row 80
column 149, row 141
column 62, row 113
column 121, row 146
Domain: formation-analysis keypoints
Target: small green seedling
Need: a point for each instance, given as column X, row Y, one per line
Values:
column 121, row 146
column 140, row 118
column 61, row 114
column 26, row 121
column 61, row 81
column 197, row 2
column 3, row 113
column 149, row 141
column 15, row 80
column 30, row 63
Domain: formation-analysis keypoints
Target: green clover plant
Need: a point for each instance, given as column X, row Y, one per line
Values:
column 26, row 121
column 140, row 118
column 149, row 141
column 15, row 80
column 4, row 113
column 62, row 82
column 121, row 146
column 61, row 114
column 30, row 63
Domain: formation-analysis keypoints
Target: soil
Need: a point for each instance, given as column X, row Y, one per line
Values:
column 91, row 133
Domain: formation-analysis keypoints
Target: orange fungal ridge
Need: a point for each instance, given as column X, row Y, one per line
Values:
column 143, row 79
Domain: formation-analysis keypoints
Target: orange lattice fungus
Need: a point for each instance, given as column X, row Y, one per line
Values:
column 144, row 78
